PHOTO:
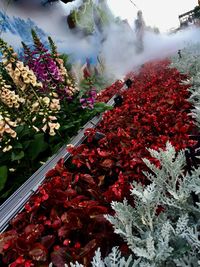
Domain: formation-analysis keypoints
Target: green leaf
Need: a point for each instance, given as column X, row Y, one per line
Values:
column 68, row 126
column 3, row 176
column 23, row 130
column 101, row 107
column 17, row 145
column 17, row 155
column 26, row 144
column 37, row 146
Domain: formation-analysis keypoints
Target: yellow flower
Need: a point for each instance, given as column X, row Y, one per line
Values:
column 9, row 67
column 23, row 87
column 11, row 123
column 24, row 73
column 15, row 78
column 54, row 94
column 46, row 100
column 20, row 65
column 35, row 106
column 12, row 59
column 17, row 72
column 34, row 83
column 52, row 127
column 52, row 132
column 13, row 134
column 57, row 126
column 7, row 86
column 38, row 84
column 31, row 73
column 55, row 104
column 21, row 100
column 26, row 80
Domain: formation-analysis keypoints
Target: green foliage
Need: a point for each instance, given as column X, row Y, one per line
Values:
column 53, row 46
column 17, row 155
column 36, row 146
column 3, row 176
column 66, row 61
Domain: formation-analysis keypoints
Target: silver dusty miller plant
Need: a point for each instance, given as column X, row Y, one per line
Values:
column 163, row 227
column 188, row 62
column 114, row 259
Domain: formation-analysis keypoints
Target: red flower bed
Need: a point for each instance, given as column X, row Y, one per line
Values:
column 106, row 94
column 64, row 220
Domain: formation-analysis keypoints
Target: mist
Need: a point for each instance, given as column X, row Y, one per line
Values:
column 115, row 45
column 120, row 53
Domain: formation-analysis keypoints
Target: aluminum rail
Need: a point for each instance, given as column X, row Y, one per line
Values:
column 15, row 203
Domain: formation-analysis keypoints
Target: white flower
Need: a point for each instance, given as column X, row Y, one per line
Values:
column 7, row 148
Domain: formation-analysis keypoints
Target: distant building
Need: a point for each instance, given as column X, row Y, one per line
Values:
column 187, row 18
column 191, row 17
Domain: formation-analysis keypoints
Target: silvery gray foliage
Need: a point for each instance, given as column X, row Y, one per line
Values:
column 190, row 64
column 160, row 238
column 114, row 259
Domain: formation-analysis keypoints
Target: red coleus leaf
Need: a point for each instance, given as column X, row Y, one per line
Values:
column 107, row 163
column 96, row 194
column 32, row 232
column 88, row 248
column 51, row 173
column 89, row 203
column 58, row 257
column 103, row 153
column 101, row 180
column 97, row 210
column 21, row 262
column 7, row 240
column 47, row 241
column 64, row 231
column 60, row 167
column 19, row 221
column 72, row 219
column 74, row 202
column 38, row 252
column 70, row 192
column 23, row 245
column 87, row 178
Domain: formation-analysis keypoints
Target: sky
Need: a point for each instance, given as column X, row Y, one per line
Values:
column 160, row 13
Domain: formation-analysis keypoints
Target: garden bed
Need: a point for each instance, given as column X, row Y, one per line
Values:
column 64, row 220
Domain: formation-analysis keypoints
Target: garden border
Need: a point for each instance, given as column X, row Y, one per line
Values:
column 15, row 203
